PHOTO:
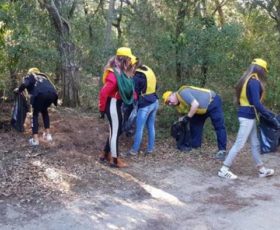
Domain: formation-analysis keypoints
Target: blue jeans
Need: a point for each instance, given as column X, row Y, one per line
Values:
column 145, row 115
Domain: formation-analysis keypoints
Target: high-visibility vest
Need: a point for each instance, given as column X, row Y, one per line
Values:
column 151, row 80
column 243, row 100
column 106, row 72
column 183, row 107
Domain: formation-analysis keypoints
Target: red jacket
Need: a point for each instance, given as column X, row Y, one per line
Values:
column 109, row 89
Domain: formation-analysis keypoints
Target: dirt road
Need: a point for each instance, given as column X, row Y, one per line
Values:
column 63, row 186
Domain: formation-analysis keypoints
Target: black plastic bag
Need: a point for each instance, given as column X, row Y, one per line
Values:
column 129, row 123
column 181, row 132
column 19, row 112
column 268, row 136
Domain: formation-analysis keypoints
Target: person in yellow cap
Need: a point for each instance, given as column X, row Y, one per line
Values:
column 249, row 94
column 197, row 104
column 145, row 87
column 42, row 94
column 118, row 88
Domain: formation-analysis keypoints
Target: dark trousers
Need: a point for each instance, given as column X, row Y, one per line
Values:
column 40, row 105
column 215, row 112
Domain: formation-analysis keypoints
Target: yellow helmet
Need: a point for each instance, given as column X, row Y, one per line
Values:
column 125, row 51
column 165, row 96
column 260, row 62
column 33, row 70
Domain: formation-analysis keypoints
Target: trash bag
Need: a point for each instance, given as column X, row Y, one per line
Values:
column 268, row 136
column 19, row 112
column 129, row 122
column 180, row 130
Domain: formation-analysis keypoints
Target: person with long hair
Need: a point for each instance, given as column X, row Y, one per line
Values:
column 117, row 89
column 42, row 94
column 249, row 93
column 145, row 87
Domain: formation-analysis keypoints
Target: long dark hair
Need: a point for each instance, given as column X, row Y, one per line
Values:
column 253, row 69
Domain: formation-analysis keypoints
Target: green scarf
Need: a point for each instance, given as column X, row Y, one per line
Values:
column 126, row 87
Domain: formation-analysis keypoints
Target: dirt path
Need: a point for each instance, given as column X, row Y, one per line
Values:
column 63, row 186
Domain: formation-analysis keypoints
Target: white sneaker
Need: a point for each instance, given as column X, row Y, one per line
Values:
column 33, row 142
column 264, row 172
column 227, row 174
column 47, row 137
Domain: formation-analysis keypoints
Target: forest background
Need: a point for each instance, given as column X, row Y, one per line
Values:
column 206, row 43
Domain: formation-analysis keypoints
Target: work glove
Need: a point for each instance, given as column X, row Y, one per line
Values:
column 16, row 90
column 186, row 119
column 102, row 115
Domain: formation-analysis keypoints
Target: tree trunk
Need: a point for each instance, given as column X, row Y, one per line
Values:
column 70, row 74
column 220, row 12
column 108, row 32
column 117, row 24
column 181, row 14
column 69, row 66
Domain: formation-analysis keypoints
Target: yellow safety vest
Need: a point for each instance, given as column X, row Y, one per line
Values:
column 183, row 107
column 106, row 72
column 151, row 80
column 243, row 100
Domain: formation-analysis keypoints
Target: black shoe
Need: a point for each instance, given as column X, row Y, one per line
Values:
column 185, row 149
column 221, row 155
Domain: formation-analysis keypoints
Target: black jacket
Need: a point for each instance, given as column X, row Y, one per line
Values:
column 37, row 84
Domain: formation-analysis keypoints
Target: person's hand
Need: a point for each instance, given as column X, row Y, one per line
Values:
column 102, row 115
column 16, row 90
column 186, row 119
column 181, row 118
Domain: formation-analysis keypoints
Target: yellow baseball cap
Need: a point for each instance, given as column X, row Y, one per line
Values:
column 166, row 96
column 33, row 70
column 260, row 62
column 125, row 51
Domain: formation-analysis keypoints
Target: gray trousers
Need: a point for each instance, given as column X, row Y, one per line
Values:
column 247, row 130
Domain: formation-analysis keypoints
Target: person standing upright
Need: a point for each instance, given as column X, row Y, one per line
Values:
column 118, row 88
column 145, row 87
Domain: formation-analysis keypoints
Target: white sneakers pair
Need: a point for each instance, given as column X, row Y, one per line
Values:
column 46, row 136
column 224, row 172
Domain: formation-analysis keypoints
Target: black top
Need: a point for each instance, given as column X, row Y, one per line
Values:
column 37, row 84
